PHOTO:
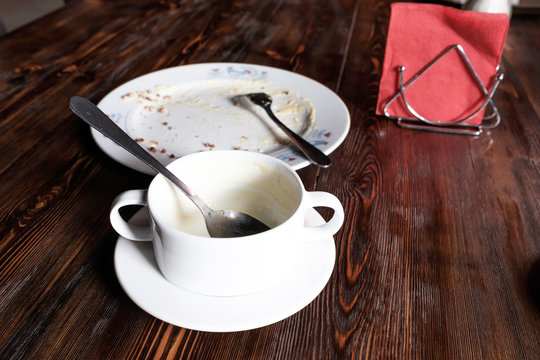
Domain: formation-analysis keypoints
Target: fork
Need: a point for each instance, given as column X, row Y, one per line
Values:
column 314, row 155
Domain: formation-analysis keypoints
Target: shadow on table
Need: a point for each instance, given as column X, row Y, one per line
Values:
column 533, row 283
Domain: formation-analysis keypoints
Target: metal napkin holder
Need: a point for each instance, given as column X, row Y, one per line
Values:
column 418, row 122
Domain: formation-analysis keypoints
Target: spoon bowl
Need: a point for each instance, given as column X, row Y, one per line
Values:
column 220, row 223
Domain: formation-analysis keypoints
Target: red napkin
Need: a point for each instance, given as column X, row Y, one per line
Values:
column 447, row 92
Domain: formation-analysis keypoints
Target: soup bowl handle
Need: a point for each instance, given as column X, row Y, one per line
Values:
column 124, row 228
column 329, row 228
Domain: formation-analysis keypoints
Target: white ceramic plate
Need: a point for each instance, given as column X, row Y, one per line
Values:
column 139, row 276
column 181, row 110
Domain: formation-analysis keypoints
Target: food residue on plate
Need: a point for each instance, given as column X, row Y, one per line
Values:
column 181, row 119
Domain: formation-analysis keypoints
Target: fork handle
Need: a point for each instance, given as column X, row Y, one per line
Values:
column 315, row 155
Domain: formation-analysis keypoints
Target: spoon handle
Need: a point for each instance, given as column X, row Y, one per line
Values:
column 312, row 153
column 92, row 115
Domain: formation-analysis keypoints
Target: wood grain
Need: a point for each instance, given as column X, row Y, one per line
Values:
column 439, row 254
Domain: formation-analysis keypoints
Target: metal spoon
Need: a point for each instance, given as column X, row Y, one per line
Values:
column 313, row 154
column 220, row 223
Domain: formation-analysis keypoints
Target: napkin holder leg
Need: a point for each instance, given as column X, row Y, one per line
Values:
column 419, row 122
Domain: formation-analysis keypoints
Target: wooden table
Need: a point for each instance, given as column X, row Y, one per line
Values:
column 439, row 256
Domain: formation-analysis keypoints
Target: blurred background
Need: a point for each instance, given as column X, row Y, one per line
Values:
column 16, row 13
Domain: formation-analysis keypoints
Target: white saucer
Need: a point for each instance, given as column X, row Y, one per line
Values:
column 141, row 279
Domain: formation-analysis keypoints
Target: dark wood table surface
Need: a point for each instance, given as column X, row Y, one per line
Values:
column 439, row 255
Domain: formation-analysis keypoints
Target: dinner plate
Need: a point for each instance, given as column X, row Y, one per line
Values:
column 139, row 276
column 185, row 109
